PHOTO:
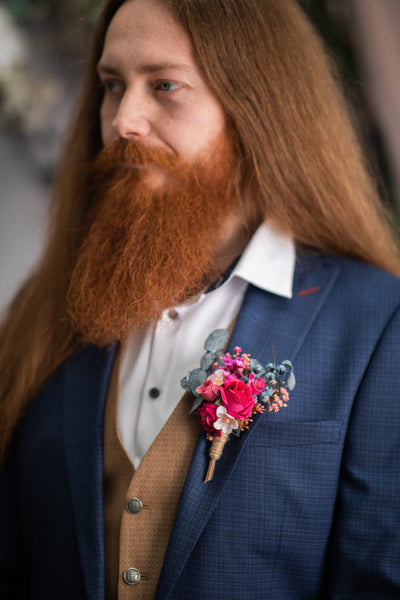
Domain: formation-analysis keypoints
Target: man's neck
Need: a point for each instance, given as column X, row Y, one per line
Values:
column 235, row 236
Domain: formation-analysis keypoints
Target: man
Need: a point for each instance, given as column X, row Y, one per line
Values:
column 211, row 180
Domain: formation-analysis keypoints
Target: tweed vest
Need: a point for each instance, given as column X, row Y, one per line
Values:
column 140, row 505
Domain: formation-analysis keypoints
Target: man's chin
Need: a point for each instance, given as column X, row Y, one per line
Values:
column 153, row 177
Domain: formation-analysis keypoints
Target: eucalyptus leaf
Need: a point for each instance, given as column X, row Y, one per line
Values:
column 194, row 379
column 288, row 364
column 207, row 360
column 196, row 404
column 185, row 384
column 291, row 382
column 217, row 340
column 237, row 432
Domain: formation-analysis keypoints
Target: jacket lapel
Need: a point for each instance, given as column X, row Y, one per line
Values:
column 85, row 389
column 264, row 321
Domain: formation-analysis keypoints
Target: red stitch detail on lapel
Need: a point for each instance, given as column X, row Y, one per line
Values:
column 310, row 291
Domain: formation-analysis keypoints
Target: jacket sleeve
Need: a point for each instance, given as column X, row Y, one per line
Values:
column 13, row 565
column 364, row 560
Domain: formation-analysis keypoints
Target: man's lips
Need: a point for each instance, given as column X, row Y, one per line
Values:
column 127, row 164
column 132, row 165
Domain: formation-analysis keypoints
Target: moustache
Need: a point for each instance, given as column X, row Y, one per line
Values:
column 131, row 154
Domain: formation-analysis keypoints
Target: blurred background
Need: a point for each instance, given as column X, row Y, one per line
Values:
column 43, row 44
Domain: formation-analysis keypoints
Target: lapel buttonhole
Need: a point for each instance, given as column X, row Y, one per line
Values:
column 309, row 291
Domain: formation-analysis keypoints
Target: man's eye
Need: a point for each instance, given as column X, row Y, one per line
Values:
column 112, row 86
column 167, row 86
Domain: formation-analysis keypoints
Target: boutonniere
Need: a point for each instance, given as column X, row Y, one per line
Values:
column 229, row 389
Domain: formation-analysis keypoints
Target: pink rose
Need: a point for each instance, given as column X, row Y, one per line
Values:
column 237, row 399
column 209, row 390
column 207, row 416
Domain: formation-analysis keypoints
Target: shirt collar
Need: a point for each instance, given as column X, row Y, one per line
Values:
column 268, row 261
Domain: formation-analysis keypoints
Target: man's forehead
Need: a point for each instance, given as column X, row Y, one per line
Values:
column 145, row 67
column 144, row 34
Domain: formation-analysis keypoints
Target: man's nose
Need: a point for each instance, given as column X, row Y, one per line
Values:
column 132, row 119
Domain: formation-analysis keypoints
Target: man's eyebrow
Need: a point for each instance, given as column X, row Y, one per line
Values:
column 145, row 68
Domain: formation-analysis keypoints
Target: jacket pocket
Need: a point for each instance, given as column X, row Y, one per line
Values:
column 308, row 433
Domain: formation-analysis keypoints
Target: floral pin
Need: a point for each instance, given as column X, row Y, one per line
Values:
column 230, row 389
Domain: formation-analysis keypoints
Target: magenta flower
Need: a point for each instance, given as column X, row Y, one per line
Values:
column 256, row 385
column 209, row 390
column 237, row 398
column 207, row 414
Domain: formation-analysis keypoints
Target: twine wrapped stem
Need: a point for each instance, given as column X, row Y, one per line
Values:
column 217, row 446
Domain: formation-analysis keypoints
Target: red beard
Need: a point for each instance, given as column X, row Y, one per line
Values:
column 148, row 249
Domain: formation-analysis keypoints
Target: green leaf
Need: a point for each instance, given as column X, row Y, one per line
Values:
column 184, row 383
column 193, row 380
column 207, row 360
column 217, row 340
column 198, row 402
column 291, row 382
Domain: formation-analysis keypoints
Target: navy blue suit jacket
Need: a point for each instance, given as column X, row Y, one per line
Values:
column 304, row 506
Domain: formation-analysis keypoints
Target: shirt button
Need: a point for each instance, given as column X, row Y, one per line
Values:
column 173, row 314
column 154, row 393
column 134, row 506
column 131, row 576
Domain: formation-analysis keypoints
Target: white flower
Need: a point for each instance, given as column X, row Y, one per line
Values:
column 218, row 377
column 225, row 422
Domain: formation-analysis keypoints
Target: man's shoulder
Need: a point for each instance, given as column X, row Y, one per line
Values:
column 83, row 376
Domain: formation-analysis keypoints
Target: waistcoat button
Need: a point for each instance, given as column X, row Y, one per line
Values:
column 134, row 506
column 154, row 393
column 131, row 576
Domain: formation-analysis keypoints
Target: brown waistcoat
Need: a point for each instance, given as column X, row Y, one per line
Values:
column 137, row 533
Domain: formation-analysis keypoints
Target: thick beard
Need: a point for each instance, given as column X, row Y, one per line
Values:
column 148, row 249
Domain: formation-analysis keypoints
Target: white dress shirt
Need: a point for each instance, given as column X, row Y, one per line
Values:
column 155, row 360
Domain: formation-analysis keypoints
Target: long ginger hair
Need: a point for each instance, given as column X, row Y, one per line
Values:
column 300, row 163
